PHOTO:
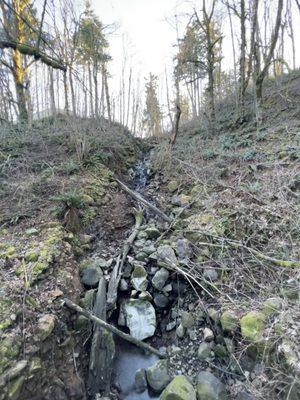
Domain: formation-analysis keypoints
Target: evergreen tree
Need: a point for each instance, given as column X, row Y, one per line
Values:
column 152, row 113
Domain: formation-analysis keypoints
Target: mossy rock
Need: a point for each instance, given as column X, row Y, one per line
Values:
column 15, row 388
column 229, row 321
column 253, row 325
column 179, row 388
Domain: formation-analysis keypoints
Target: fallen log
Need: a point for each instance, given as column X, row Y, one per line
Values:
column 138, row 197
column 68, row 303
column 112, row 293
column 102, row 348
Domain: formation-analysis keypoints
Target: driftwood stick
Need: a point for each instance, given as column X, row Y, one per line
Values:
column 112, row 293
column 138, row 197
column 68, row 303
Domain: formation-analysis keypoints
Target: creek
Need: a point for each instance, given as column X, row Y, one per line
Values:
column 130, row 358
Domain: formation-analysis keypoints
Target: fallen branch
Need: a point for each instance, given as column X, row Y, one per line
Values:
column 112, row 293
column 138, row 197
column 258, row 254
column 68, row 303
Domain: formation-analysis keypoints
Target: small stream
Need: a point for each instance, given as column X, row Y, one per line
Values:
column 130, row 358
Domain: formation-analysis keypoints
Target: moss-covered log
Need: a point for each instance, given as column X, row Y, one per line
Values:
column 33, row 52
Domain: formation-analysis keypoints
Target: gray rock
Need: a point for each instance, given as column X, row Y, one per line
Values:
column 91, row 276
column 209, row 387
column 180, row 331
column 158, row 376
column 139, row 278
column 140, row 318
column 140, row 380
column 168, row 288
column 204, row 350
column 184, row 249
column 170, row 326
column 124, row 285
column 161, row 300
column 149, row 249
column 210, row 274
column 166, row 256
column 160, row 278
column 102, row 263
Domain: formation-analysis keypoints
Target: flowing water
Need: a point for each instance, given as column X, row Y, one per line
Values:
column 130, row 358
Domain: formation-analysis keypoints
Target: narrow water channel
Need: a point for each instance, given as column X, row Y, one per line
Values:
column 130, row 358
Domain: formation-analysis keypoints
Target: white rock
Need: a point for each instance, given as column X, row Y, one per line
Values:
column 140, row 318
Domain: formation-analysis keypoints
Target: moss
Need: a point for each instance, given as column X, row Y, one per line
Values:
column 31, row 256
column 252, row 325
column 5, row 324
column 9, row 350
column 9, row 252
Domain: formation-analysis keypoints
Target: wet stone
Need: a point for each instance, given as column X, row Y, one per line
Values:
column 158, row 376
column 140, row 380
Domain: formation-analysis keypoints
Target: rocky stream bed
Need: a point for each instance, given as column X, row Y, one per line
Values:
column 159, row 301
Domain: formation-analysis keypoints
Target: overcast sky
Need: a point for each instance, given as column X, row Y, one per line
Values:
column 148, row 37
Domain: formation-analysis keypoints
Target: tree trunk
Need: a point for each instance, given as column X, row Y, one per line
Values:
column 260, row 76
column 51, row 92
column 66, row 91
column 242, row 74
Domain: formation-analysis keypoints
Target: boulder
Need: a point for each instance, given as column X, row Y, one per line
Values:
column 158, row 376
column 140, row 380
column 166, row 256
column 252, row 325
column 160, row 278
column 140, row 318
column 91, row 276
column 139, row 278
column 179, row 389
column 209, row 387
column 229, row 321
